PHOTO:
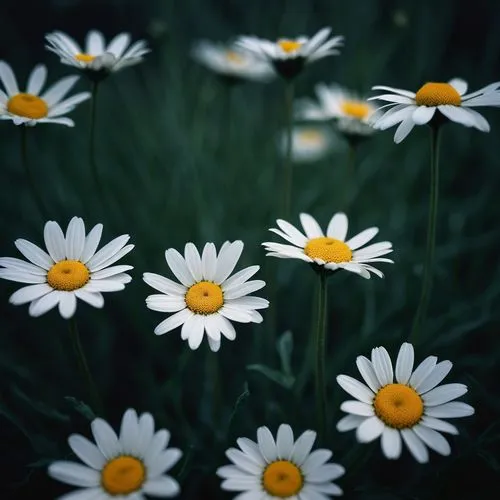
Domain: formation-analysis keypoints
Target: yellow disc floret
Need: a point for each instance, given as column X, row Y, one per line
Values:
column 289, row 46
column 282, row 479
column 204, row 297
column 436, row 94
column 398, row 406
column 86, row 58
column 328, row 250
column 234, row 57
column 311, row 137
column 356, row 109
column 27, row 105
column 68, row 275
column 123, row 475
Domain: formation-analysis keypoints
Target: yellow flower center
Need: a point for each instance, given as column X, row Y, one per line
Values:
column 356, row 109
column 289, row 46
column 435, row 94
column 311, row 137
column 68, row 275
column 123, row 475
column 234, row 57
column 204, row 297
column 84, row 58
column 398, row 406
column 328, row 249
column 28, row 105
column 282, row 479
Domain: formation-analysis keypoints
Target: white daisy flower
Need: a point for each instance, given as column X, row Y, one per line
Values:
column 410, row 409
column 116, row 55
column 309, row 143
column 30, row 108
column 70, row 269
column 284, row 468
column 351, row 112
column 289, row 55
column 127, row 466
column 207, row 298
column 410, row 109
column 231, row 61
column 330, row 251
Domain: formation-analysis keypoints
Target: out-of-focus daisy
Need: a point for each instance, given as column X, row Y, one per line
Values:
column 284, row 468
column 331, row 251
column 30, row 108
column 449, row 99
column 230, row 61
column 351, row 112
column 97, row 56
column 127, row 466
column 207, row 298
column 409, row 409
column 70, row 269
column 289, row 55
column 309, row 143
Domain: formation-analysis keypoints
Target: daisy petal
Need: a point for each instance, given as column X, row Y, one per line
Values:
column 311, row 227
column 337, row 227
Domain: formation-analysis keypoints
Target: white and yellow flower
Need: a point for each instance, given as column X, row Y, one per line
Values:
column 288, row 55
column 31, row 107
column 309, row 143
column 231, row 61
column 351, row 112
column 71, row 269
column 127, row 466
column 97, row 55
column 207, row 298
column 284, row 468
column 435, row 100
column 407, row 410
column 331, row 251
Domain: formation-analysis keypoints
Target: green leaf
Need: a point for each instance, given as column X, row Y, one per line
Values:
column 279, row 378
column 81, row 407
column 284, row 345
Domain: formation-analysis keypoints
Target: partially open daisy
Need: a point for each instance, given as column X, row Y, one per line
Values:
column 449, row 99
column 330, row 251
column 127, row 466
column 116, row 55
column 70, row 269
column 31, row 107
column 309, row 143
column 289, row 55
column 351, row 112
column 207, row 298
column 284, row 468
column 408, row 409
column 231, row 61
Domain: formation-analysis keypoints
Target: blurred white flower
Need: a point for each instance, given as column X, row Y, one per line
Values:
column 409, row 108
column 97, row 56
column 127, row 466
column 231, row 61
column 409, row 410
column 309, row 143
column 290, row 54
column 351, row 112
column 72, row 269
column 30, row 108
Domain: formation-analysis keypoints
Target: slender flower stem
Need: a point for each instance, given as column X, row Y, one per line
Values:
column 351, row 173
column 84, row 367
column 421, row 314
column 288, row 170
column 92, row 154
column 29, row 174
column 320, row 356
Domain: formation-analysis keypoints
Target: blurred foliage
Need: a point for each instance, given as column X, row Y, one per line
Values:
column 179, row 164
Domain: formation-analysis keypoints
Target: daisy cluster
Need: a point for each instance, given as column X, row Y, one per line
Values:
column 202, row 292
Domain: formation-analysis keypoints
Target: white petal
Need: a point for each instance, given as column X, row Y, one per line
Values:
column 362, row 238
column 193, row 261
column 455, row 409
column 21, row 276
column 235, row 314
column 227, row 260
column 251, row 449
column 415, row 445
column 244, row 289
column 86, row 451
column 107, row 252
column 438, row 425
column 337, row 227
column 158, row 443
column 104, row 285
column 67, row 304
column 91, row 243
column 110, row 271
column 382, row 365
column 56, row 92
column 105, row 438
column 94, row 43
column 209, row 261
column 443, row 394
column 12, row 263
column 459, row 85
column 315, row 460
column 311, row 227
column 423, row 114
column 34, row 254
column 367, row 371
column 29, row 293
column 405, row 127
column 226, row 327
column 325, row 473
column 164, row 303
column 435, row 376
column 75, row 238
column 54, row 241
column 370, row 429
column 164, row 285
column 196, row 327
column 357, row 408
column 303, row 447
column 394, row 116
column 355, row 388
column 36, row 79
column 118, row 45
column 391, row 443
column 249, row 302
column 239, row 277
column 8, row 79
column 432, row 439
column 95, row 493
column 457, row 114
column 173, row 322
column 163, row 486
column 267, row 446
column 297, row 238
column 74, row 474
column 165, row 461
column 129, row 432
column 404, row 363
column 44, row 304
column 284, row 441
column 349, row 422
column 243, row 462
column 422, row 372
column 179, row 267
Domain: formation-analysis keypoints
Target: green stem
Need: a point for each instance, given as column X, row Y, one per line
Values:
column 351, row 173
column 320, row 357
column 84, row 367
column 288, row 170
column 421, row 314
column 29, row 174
column 92, row 153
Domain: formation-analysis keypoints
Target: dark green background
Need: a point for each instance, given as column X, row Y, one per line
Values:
column 175, row 170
